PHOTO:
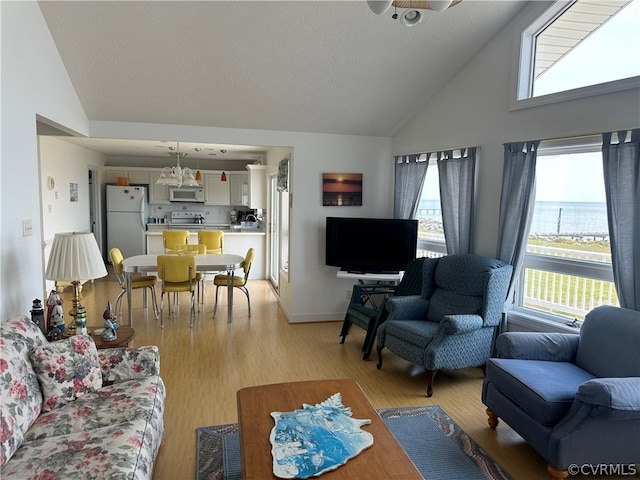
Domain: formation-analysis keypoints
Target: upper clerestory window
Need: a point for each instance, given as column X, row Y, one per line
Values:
column 579, row 48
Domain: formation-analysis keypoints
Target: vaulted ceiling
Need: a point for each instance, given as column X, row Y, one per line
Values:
column 309, row 66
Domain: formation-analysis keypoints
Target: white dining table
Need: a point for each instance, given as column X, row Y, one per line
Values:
column 209, row 262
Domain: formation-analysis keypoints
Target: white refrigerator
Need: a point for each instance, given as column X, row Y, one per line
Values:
column 126, row 208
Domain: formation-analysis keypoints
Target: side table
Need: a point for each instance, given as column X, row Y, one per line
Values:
column 124, row 332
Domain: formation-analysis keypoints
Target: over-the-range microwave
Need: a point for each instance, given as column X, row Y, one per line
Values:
column 186, row 194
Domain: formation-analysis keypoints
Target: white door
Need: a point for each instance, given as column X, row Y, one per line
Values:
column 273, row 231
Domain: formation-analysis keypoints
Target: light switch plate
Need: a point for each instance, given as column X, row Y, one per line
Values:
column 27, row 227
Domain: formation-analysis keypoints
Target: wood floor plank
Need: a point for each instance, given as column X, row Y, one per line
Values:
column 203, row 367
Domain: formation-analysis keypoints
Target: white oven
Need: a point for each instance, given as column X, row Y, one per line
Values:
column 186, row 194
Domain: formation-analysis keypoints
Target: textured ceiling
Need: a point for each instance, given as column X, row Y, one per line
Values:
column 309, row 66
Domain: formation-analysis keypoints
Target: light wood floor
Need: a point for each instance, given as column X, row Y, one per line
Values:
column 203, row 367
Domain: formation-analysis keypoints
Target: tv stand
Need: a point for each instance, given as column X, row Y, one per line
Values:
column 364, row 277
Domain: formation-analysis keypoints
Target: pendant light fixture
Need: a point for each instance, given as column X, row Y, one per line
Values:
column 177, row 176
column 223, row 177
column 198, row 174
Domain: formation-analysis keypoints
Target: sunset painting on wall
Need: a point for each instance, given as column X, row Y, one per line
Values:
column 342, row 189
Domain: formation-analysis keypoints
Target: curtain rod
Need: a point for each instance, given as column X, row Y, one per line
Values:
column 435, row 151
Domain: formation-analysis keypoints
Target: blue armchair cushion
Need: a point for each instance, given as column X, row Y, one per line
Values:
column 616, row 398
column 445, row 302
column 414, row 332
column 597, row 343
column 552, row 347
column 456, row 324
column 412, row 307
column 544, row 390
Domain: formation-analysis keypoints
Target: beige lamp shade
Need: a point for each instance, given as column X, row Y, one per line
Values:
column 75, row 256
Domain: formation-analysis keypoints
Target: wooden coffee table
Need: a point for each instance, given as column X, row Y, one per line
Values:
column 125, row 335
column 384, row 459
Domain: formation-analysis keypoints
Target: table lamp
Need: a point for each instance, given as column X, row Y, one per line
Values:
column 74, row 257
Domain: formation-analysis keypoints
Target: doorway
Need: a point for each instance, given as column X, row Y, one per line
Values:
column 95, row 216
column 274, row 231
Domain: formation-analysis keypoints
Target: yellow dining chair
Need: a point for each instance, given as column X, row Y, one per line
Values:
column 197, row 249
column 177, row 274
column 239, row 282
column 143, row 282
column 172, row 238
column 213, row 239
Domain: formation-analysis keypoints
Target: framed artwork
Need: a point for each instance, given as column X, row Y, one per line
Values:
column 342, row 189
column 73, row 192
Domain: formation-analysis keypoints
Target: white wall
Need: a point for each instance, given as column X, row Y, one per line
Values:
column 34, row 82
column 472, row 109
column 66, row 163
column 313, row 293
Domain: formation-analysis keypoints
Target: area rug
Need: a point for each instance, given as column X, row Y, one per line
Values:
column 437, row 446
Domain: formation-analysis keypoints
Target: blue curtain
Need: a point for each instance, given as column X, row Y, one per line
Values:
column 621, row 166
column 518, row 187
column 457, row 199
column 410, row 171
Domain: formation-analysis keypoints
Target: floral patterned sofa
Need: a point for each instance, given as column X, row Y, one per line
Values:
column 71, row 411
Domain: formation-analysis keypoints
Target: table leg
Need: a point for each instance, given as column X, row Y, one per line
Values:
column 229, row 295
column 127, row 277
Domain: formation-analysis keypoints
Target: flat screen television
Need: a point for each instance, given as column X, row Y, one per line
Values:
column 370, row 245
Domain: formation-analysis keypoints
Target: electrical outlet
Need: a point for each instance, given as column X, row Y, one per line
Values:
column 348, row 294
column 27, row 227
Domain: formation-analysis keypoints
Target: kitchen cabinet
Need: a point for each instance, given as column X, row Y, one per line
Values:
column 257, row 186
column 158, row 194
column 135, row 177
column 216, row 192
column 238, row 188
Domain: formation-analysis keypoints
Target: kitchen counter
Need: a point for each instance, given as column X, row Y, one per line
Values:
column 235, row 241
column 157, row 228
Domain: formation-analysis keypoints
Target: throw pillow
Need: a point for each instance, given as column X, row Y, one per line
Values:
column 66, row 370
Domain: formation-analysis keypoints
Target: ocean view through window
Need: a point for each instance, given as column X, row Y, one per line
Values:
column 429, row 215
column 567, row 266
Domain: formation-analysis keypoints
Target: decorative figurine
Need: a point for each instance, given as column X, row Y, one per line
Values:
column 37, row 315
column 55, row 313
column 110, row 325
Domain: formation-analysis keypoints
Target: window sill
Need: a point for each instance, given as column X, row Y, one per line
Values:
column 520, row 321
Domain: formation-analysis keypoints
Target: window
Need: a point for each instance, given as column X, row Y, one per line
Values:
column 580, row 45
column 567, row 266
column 429, row 215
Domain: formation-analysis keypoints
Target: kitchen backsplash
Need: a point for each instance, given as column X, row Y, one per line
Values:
column 210, row 213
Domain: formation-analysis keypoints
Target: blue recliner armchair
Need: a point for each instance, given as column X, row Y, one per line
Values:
column 574, row 398
column 451, row 324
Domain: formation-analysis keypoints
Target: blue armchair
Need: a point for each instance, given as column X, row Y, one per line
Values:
column 451, row 324
column 574, row 398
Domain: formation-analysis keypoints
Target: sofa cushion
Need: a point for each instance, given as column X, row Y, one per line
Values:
column 66, row 370
column 600, row 350
column 121, row 451
column 19, row 388
column 544, row 390
column 130, row 401
column 113, row 433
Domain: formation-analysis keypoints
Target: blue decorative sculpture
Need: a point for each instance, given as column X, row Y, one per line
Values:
column 319, row 438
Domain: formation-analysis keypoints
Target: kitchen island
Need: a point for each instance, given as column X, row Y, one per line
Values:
column 235, row 241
